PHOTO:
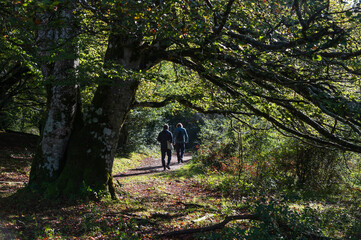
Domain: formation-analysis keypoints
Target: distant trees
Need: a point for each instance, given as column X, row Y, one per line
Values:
column 295, row 64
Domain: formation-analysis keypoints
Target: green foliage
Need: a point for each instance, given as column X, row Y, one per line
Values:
column 226, row 141
column 278, row 219
column 246, row 163
column 313, row 167
column 22, row 96
column 354, row 230
column 22, row 117
column 268, row 161
column 139, row 134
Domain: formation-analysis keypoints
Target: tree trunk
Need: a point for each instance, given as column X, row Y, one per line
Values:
column 62, row 96
column 76, row 157
column 92, row 148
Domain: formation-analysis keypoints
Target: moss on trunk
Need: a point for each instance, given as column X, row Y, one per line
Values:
column 88, row 159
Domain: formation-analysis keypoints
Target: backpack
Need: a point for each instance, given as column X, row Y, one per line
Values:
column 179, row 136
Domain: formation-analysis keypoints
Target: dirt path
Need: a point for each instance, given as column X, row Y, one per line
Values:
column 169, row 199
column 152, row 166
column 152, row 202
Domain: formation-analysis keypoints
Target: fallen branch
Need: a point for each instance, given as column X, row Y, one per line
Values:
column 210, row 228
column 203, row 218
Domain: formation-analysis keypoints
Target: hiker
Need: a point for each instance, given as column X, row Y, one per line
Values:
column 165, row 138
column 180, row 139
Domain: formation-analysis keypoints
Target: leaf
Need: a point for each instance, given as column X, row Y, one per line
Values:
column 317, row 58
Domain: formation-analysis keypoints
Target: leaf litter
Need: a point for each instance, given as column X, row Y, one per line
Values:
column 151, row 202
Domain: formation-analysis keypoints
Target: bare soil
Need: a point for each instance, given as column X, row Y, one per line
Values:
column 152, row 166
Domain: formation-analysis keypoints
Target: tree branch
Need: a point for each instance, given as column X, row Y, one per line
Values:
column 212, row 227
column 224, row 18
column 163, row 103
column 188, row 104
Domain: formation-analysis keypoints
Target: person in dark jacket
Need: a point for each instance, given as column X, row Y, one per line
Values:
column 180, row 139
column 164, row 137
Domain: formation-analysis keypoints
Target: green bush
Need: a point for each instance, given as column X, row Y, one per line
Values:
column 312, row 167
column 270, row 161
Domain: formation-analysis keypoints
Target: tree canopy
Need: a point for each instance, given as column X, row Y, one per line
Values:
column 296, row 64
column 293, row 63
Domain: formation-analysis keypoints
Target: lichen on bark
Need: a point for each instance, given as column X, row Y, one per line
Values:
column 88, row 150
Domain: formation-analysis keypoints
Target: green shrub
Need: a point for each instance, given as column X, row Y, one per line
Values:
column 312, row 167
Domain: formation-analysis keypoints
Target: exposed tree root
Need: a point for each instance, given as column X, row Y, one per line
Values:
column 222, row 225
column 212, row 227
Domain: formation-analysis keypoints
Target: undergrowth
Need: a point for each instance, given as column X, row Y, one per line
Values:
column 197, row 195
column 286, row 209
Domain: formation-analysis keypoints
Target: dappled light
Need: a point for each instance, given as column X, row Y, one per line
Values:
column 178, row 119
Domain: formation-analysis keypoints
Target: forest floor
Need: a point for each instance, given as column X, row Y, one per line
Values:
column 152, row 202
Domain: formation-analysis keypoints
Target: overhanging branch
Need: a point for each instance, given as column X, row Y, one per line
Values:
column 188, row 104
column 163, row 103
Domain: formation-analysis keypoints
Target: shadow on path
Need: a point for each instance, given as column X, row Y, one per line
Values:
column 154, row 168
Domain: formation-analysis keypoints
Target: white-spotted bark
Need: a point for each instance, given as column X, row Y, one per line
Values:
column 62, row 96
column 88, row 159
column 92, row 148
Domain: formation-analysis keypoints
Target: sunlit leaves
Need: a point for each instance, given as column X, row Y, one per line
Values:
column 265, row 55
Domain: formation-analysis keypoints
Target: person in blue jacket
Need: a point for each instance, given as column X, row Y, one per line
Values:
column 163, row 137
column 180, row 138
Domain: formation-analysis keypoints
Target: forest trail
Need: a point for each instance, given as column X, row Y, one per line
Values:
column 153, row 166
column 170, row 200
column 152, row 201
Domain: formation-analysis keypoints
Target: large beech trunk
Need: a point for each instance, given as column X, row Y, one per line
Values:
column 50, row 158
column 92, row 148
column 62, row 97
column 88, row 159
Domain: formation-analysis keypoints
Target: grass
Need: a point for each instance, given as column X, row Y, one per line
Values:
column 336, row 216
column 122, row 164
column 148, row 205
column 154, row 204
